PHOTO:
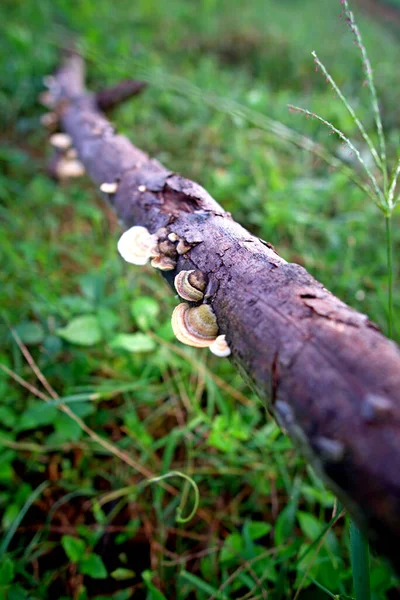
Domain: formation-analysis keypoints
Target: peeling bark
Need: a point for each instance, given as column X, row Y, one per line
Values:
column 326, row 373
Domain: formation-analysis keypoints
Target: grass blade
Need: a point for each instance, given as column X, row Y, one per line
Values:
column 360, row 563
column 16, row 523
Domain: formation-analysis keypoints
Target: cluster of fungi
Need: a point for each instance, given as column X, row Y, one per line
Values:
column 194, row 322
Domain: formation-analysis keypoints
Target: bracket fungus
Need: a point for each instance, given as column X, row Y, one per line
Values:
column 166, row 247
column 191, row 285
column 109, row 188
column 61, row 141
column 183, row 246
column 163, row 262
column 69, row 168
column 137, row 245
column 219, row 347
column 195, row 326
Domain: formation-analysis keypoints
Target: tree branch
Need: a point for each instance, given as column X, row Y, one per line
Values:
column 326, row 373
column 110, row 97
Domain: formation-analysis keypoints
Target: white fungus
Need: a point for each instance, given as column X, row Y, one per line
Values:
column 62, row 141
column 109, row 188
column 137, row 245
column 219, row 347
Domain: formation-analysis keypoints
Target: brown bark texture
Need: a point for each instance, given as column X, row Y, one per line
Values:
column 325, row 372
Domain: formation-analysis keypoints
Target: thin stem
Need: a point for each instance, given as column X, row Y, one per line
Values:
column 180, row 508
column 349, row 143
column 371, row 85
column 389, row 250
column 391, row 202
column 356, row 120
column 17, row 520
column 360, row 562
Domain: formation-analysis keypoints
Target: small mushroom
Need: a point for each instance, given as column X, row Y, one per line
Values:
column 173, row 237
column 162, row 233
column 167, row 248
column 109, row 188
column 183, row 246
column 68, row 169
column 190, row 285
column 163, row 262
column 137, row 245
column 195, row 326
column 220, row 347
column 61, row 141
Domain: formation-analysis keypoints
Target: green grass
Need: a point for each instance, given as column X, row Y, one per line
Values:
column 263, row 513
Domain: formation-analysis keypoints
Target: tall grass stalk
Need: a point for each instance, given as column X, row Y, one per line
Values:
column 360, row 562
column 389, row 250
column 384, row 196
column 377, row 186
column 371, row 84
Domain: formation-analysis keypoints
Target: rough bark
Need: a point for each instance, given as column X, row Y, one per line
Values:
column 326, row 373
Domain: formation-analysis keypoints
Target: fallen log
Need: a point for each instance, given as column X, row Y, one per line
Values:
column 325, row 372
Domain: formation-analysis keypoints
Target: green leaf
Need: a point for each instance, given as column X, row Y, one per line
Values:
column 99, row 513
column 93, row 566
column 37, row 415
column 134, row 342
column 164, row 331
column 6, row 571
column 65, row 429
column 83, row 331
column 237, row 428
column 76, row 304
column 108, row 319
column 73, row 547
column 52, row 344
column 285, row 522
column 232, row 547
column 220, row 437
column 380, row 577
column 201, row 585
column 16, row 592
column 30, row 332
column 7, row 416
column 310, row 526
column 82, row 593
column 122, row 574
column 257, row 529
column 6, row 467
column 92, row 286
column 145, row 311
